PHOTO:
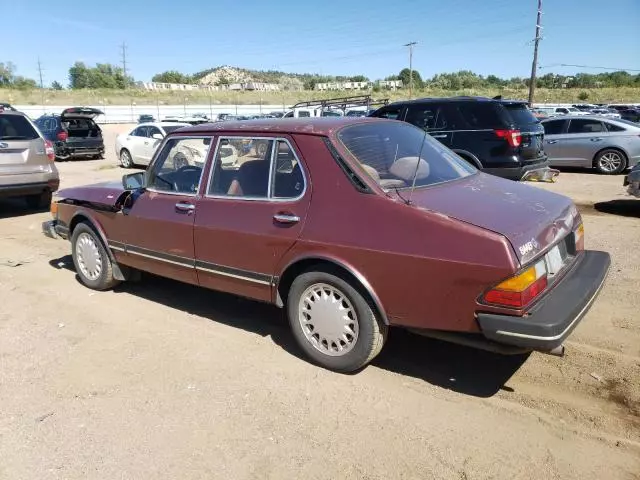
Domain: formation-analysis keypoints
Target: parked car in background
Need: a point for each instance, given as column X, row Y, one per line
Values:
column 450, row 254
column 539, row 113
column 74, row 133
column 144, row 118
column 585, row 107
column 570, row 111
column 610, row 146
column 27, row 167
column 632, row 181
column 605, row 112
column 501, row 137
column 630, row 114
column 7, row 106
column 137, row 146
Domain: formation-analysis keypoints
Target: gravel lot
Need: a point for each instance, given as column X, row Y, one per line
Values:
column 160, row 380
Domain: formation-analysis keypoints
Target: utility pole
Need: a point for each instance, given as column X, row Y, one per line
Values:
column 410, row 45
column 124, row 63
column 41, row 84
column 534, row 66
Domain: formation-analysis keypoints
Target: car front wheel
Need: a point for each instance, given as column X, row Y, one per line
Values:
column 90, row 258
column 610, row 162
column 333, row 323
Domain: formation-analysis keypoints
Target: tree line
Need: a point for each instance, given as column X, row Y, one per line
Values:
column 105, row 75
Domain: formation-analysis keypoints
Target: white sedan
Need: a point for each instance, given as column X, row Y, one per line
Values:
column 137, row 146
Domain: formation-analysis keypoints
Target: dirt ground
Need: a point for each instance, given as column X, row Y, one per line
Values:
column 160, row 380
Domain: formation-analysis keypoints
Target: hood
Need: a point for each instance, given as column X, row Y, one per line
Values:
column 108, row 195
column 529, row 217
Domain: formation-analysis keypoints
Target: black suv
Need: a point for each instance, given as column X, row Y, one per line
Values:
column 501, row 137
column 74, row 133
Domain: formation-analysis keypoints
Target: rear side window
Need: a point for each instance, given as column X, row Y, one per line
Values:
column 16, row 127
column 553, row 127
column 585, row 126
column 304, row 113
column 392, row 113
column 520, row 113
column 614, row 128
column 480, row 115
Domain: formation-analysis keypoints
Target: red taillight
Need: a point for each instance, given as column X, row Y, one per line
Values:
column 62, row 136
column 48, row 149
column 513, row 137
column 516, row 299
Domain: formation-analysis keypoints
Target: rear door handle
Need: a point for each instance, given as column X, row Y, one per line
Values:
column 551, row 142
column 596, row 139
column 185, row 207
column 287, row 218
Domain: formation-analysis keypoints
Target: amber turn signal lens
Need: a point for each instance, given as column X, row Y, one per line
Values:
column 54, row 209
column 579, row 237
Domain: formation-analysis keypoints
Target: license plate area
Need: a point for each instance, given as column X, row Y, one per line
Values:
column 556, row 259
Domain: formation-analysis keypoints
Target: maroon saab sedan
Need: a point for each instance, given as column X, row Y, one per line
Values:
column 353, row 225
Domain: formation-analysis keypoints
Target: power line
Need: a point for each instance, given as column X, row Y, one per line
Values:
column 411, row 45
column 589, row 66
column 124, row 64
column 534, row 65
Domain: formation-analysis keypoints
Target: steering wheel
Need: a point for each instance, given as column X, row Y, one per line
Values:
column 182, row 170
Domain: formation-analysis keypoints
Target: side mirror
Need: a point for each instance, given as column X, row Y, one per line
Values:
column 157, row 136
column 133, row 181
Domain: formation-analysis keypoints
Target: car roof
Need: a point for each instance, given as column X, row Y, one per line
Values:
column 589, row 117
column 456, row 99
column 323, row 126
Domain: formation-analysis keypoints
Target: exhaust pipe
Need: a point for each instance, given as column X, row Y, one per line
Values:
column 556, row 352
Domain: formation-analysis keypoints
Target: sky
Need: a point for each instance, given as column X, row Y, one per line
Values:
column 330, row 37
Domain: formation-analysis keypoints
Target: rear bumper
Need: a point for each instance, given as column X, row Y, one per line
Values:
column 22, row 189
column 517, row 173
column 552, row 319
column 65, row 151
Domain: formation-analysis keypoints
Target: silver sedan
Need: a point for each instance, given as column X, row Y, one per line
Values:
column 610, row 146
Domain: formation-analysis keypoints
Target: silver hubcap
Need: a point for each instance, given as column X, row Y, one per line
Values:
column 328, row 320
column 125, row 159
column 88, row 256
column 610, row 161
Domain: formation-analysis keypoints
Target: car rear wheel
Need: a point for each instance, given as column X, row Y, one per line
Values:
column 91, row 260
column 610, row 161
column 332, row 322
column 125, row 158
column 39, row 201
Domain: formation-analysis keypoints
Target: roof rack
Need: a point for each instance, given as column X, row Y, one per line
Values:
column 343, row 102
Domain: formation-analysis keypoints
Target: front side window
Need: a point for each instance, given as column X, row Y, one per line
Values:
column 424, row 117
column 178, row 166
column 392, row 113
column 151, row 131
column 399, row 155
column 139, row 132
column 256, row 168
column 553, row 127
column 585, row 126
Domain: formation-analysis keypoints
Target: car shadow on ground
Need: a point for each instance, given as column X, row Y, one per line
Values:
column 461, row 369
column 626, row 208
column 17, row 207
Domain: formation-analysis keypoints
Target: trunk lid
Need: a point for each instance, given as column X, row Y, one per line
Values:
column 81, row 112
column 531, row 219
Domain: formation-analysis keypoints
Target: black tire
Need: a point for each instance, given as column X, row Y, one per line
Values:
column 603, row 161
column 104, row 279
column 126, row 161
column 371, row 331
column 39, row 201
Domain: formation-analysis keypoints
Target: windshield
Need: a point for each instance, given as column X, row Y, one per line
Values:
column 393, row 153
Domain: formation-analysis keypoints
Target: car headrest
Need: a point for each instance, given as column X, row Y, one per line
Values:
column 406, row 167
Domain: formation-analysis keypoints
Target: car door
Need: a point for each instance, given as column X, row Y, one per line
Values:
column 134, row 143
column 149, row 144
column 159, row 237
column 554, row 138
column 585, row 136
column 250, row 216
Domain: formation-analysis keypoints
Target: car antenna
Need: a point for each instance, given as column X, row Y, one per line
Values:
column 415, row 174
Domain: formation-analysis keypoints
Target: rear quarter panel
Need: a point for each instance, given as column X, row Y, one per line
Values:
column 426, row 269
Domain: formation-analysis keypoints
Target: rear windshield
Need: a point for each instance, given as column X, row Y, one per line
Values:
column 398, row 154
column 16, row 127
column 520, row 114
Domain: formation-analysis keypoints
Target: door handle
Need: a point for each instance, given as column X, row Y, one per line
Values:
column 146, row 143
column 444, row 135
column 551, row 142
column 287, row 218
column 185, row 207
column 596, row 139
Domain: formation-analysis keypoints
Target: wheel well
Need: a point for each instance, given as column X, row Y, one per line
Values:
column 301, row 266
column 76, row 220
column 624, row 155
column 123, row 149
